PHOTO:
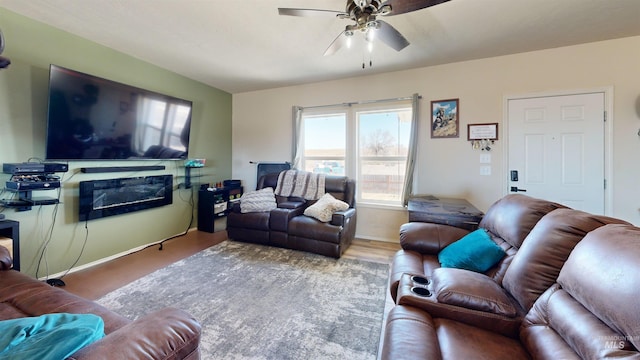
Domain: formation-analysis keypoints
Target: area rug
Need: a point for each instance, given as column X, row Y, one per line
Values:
column 260, row 302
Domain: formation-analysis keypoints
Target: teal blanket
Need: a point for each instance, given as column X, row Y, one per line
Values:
column 48, row 337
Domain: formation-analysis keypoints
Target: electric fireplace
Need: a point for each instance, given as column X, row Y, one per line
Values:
column 102, row 198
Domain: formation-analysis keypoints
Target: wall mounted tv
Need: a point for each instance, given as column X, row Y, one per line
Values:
column 90, row 118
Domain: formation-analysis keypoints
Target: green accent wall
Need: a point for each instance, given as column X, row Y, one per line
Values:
column 52, row 240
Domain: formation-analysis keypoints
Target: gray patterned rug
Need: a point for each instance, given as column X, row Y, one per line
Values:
column 259, row 302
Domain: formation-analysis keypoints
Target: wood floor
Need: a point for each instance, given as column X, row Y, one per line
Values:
column 101, row 279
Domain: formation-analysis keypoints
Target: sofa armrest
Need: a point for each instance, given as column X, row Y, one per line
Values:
column 279, row 217
column 292, row 204
column 428, row 238
column 165, row 334
column 341, row 218
column 473, row 300
column 5, row 258
column 471, row 290
column 410, row 334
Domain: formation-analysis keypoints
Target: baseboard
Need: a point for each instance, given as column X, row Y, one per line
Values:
column 376, row 238
column 108, row 258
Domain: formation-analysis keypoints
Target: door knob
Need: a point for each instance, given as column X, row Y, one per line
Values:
column 515, row 189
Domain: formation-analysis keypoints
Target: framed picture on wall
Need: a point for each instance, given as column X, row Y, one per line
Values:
column 482, row 131
column 444, row 118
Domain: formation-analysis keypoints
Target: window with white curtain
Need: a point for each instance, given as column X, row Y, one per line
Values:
column 367, row 142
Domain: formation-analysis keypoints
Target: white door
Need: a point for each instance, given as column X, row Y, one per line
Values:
column 556, row 149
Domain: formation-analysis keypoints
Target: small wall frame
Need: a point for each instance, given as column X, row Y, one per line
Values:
column 482, row 131
column 482, row 136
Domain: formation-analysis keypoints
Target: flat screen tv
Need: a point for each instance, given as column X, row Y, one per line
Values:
column 91, row 118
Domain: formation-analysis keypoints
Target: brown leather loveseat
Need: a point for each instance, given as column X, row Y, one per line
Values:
column 287, row 227
column 458, row 306
column 164, row 334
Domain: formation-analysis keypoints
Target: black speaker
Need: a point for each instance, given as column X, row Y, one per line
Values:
column 105, row 169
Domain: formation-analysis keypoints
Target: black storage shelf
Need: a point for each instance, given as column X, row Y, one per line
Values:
column 213, row 204
column 27, row 178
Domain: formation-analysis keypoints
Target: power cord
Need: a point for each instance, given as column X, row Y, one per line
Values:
column 49, row 238
column 192, row 203
column 84, row 245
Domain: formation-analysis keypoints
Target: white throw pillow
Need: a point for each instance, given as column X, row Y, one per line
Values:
column 325, row 207
column 258, row 201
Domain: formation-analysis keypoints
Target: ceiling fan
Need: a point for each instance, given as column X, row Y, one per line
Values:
column 365, row 13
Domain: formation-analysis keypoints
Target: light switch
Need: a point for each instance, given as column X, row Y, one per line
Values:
column 485, row 158
column 485, row 170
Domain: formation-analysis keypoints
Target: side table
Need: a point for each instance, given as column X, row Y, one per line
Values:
column 211, row 205
column 455, row 212
column 11, row 229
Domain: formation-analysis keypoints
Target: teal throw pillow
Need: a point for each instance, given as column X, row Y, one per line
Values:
column 475, row 251
column 48, row 337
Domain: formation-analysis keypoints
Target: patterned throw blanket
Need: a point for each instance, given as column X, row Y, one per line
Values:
column 304, row 184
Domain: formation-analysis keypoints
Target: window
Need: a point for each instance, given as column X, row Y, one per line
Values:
column 367, row 142
column 324, row 139
column 382, row 154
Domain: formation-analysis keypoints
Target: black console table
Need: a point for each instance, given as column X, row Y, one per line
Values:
column 211, row 205
column 455, row 212
column 11, row 229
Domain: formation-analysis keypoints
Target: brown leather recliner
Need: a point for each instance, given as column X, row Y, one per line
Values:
column 287, row 227
column 508, row 221
column 164, row 334
column 255, row 227
column 590, row 312
column 499, row 306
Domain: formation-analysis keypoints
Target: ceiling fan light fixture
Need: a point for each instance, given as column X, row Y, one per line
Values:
column 349, row 36
column 364, row 13
column 370, row 35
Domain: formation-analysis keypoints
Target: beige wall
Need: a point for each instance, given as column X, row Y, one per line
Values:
column 450, row 167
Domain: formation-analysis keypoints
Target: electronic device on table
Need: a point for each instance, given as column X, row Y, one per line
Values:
column 28, row 177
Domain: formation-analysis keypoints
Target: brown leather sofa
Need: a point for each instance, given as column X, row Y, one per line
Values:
column 589, row 312
column 494, row 303
column 164, row 334
column 287, row 227
column 508, row 221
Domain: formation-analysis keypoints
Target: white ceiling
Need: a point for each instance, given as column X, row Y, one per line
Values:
column 244, row 45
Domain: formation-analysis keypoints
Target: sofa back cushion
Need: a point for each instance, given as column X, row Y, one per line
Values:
column 340, row 187
column 508, row 221
column 538, row 262
column 592, row 312
column 512, row 217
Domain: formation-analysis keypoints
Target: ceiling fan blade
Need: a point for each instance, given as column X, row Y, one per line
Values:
column 308, row 12
column 405, row 6
column 390, row 36
column 337, row 44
